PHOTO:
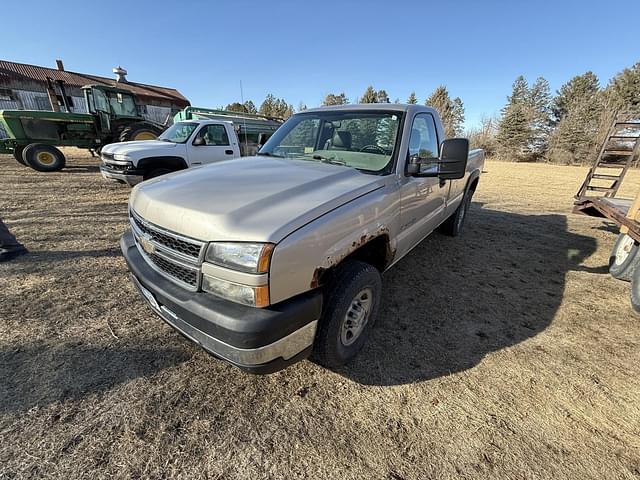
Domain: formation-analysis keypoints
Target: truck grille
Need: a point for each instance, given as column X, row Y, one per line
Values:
column 176, row 257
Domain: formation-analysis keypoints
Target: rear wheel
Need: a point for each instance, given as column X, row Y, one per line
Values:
column 452, row 226
column 624, row 258
column 17, row 154
column 140, row 131
column 349, row 313
column 43, row 158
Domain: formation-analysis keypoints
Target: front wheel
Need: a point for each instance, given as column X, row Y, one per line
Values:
column 624, row 258
column 157, row 172
column 44, row 158
column 349, row 313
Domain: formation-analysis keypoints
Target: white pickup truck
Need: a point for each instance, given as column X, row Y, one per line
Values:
column 185, row 144
column 266, row 260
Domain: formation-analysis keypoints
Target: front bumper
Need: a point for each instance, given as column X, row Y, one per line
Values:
column 115, row 171
column 260, row 340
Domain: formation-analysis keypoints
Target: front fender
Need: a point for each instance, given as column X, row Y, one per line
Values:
column 301, row 257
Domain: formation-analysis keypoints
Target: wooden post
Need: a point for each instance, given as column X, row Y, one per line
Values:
column 632, row 213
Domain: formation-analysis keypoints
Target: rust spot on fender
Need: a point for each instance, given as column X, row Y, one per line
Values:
column 355, row 245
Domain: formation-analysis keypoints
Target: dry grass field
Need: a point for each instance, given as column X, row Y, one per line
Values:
column 506, row 353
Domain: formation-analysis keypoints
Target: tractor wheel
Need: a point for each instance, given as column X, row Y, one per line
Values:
column 17, row 154
column 140, row 131
column 44, row 158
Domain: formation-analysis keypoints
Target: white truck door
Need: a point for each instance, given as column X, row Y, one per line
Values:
column 422, row 199
column 212, row 143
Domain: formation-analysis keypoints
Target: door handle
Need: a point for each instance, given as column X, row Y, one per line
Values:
column 228, row 152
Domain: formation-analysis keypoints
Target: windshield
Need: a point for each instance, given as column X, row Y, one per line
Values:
column 122, row 104
column 357, row 139
column 178, row 132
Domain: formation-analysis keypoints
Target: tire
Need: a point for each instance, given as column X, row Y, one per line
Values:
column 624, row 258
column 158, row 172
column 452, row 226
column 44, row 158
column 635, row 290
column 356, row 287
column 17, row 154
column 140, row 131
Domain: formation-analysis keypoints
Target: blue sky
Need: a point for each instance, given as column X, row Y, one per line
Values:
column 302, row 50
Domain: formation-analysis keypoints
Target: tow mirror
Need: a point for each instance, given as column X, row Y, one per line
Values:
column 454, row 154
column 262, row 138
column 451, row 165
column 198, row 141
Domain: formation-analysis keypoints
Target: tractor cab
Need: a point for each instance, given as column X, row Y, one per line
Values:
column 110, row 104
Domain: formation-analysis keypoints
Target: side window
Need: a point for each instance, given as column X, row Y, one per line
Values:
column 423, row 139
column 214, row 135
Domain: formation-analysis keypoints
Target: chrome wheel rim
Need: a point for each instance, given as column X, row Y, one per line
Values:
column 356, row 317
column 624, row 250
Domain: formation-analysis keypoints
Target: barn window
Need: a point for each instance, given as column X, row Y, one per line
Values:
column 6, row 94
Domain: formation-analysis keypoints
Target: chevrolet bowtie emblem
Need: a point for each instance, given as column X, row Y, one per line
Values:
column 146, row 244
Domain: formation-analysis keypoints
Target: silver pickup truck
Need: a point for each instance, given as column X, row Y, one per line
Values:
column 266, row 260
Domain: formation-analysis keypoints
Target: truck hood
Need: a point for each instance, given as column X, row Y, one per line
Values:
column 257, row 199
column 141, row 146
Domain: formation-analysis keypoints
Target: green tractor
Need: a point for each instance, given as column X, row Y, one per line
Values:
column 113, row 117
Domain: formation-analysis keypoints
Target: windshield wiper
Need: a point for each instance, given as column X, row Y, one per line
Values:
column 268, row 154
column 331, row 160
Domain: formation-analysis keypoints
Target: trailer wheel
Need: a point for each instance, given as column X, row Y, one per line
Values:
column 17, row 154
column 635, row 290
column 139, row 131
column 44, row 158
column 624, row 258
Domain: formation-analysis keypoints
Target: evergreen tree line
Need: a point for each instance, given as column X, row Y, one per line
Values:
column 451, row 110
column 567, row 128
column 534, row 125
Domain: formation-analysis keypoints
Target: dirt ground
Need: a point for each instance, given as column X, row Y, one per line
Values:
column 506, row 353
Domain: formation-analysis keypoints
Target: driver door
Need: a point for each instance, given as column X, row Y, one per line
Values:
column 422, row 199
column 214, row 145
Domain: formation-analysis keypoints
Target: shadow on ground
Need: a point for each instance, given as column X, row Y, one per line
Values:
column 41, row 374
column 452, row 301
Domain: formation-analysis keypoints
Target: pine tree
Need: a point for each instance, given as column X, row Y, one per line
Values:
column 514, row 132
column 623, row 91
column 268, row 106
column 578, row 112
column 369, row 96
column 573, row 93
column 451, row 111
column 382, row 96
column 333, row 99
column 250, row 107
column 236, row 107
column 540, row 116
column 412, row 100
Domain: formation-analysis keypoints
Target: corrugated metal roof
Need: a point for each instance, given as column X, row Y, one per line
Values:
column 12, row 71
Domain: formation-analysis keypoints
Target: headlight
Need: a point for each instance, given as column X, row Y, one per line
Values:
column 122, row 157
column 252, row 296
column 245, row 257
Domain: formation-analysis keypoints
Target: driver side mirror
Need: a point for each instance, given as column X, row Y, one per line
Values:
column 451, row 165
column 198, row 141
